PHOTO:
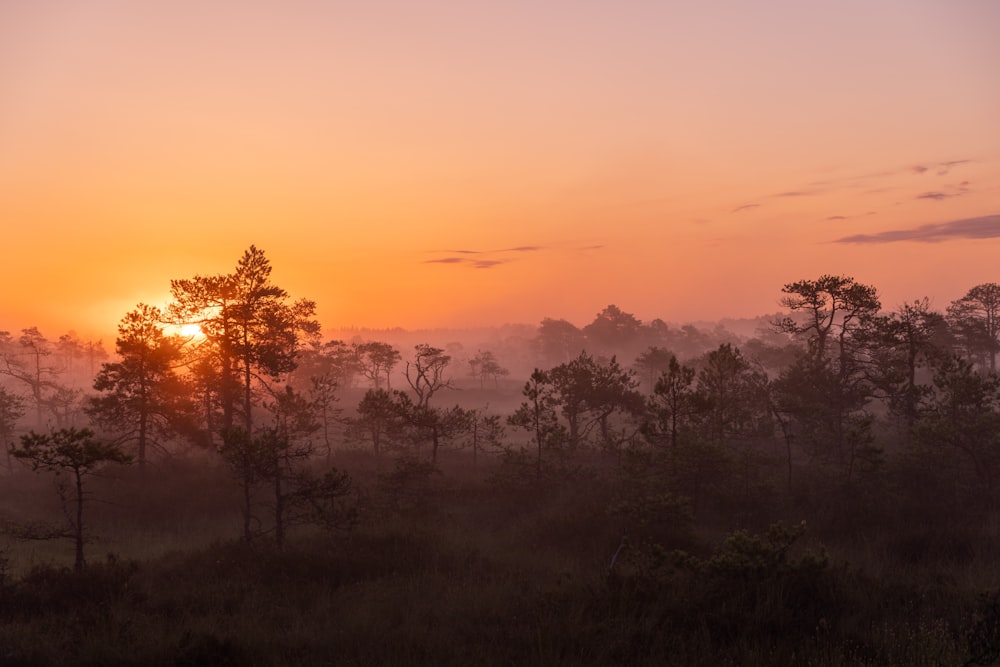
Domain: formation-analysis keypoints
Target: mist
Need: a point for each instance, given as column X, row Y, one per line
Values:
column 750, row 487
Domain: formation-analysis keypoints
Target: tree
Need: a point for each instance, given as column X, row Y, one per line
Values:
column 826, row 416
column 734, row 396
column 823, row 396
column 674, row 402
column 652, row 363
column 143, row 399
column 253, row 333
column 425, row 374
column 975, row 321
column 590, row 391
column 482, row 430
column 558, row 341
column 830, row 306
column 963, row 414
column 322, row 369
column 11, row 409
column 614, row 392
column 613, row 330
column 378, row 416
column 75, row 452
column 285, row 447
column 26, row 362
column 376, row 361
column 572, row 383
column 537, row 415
column 485, row 365
column 737, row 413
column 429, row 424
column 333, row 359
column 910, row 339
column 323, row 395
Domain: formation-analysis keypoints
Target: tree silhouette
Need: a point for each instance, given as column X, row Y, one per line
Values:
column 425, row 374
column 253, row 333
column 830, row 306
column 910, row 339
column 377, row 360
column 485, row 365
column 975, row 321
column 143, row 399
column 378, row 417
column 27, row 362
column 75, row 452
column 825, row 394
column 589, row 392
column 558, row 341
column 674, row 403
column 963, row 414
column 537, row 415
column 613, row 330
column 11, row 410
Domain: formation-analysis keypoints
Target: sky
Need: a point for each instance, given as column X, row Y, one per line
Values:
column 458, row 163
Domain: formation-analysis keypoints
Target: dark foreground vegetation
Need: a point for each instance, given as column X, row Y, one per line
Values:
column 471, row 571
column 245, row 493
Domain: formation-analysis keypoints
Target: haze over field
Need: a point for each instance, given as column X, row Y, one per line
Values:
column 468, row 163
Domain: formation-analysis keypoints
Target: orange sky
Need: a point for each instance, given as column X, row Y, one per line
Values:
column 459, row 163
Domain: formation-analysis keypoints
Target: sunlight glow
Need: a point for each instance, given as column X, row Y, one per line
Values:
column 191, row 331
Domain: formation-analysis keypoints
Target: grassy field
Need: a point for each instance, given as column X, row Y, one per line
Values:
column 462, row 570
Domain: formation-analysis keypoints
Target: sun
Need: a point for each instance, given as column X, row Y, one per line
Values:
column 192, row 331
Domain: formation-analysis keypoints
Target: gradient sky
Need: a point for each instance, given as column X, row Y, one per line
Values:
column 455, row 163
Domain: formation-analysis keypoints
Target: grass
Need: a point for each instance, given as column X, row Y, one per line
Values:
column 480, row 574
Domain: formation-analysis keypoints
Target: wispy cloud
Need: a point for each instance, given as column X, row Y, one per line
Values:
column 984, row 227
column 945, row 167
column 950, row 191
column 482, row 259
column 939, row 168
column 872, row 183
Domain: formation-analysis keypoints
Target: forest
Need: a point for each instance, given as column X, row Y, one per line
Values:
column 230, row 485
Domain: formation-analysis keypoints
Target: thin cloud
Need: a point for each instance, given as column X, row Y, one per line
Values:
column 745, row 207
column 940, row 168
column 488, row 263
column 944, row 167
column 481, row 259
column 869, row 183
column 488, row 259
column 837, row 217
column 955, row 191
column 984, row 227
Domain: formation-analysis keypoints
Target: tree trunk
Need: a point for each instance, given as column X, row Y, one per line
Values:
column 79, row 563
column 143, row 418
column 279, row 509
